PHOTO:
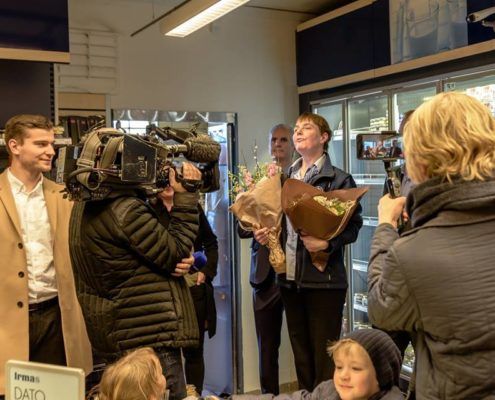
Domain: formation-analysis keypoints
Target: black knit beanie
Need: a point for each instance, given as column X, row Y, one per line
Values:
column 384, row 355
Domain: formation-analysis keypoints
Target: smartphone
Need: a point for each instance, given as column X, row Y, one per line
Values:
column 385, row 145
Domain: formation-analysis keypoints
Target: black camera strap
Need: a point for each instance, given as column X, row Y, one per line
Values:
column 191, row 185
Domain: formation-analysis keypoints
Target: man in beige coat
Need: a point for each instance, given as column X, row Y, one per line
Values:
column 41, row 317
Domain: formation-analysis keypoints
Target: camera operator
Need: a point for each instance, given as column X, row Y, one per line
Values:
column 200, row 283
column 129, row 272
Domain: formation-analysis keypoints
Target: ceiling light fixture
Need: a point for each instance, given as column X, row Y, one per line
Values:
column 194, row 14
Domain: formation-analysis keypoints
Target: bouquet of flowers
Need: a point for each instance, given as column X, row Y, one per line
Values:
column 323, row 215
column 257, row 205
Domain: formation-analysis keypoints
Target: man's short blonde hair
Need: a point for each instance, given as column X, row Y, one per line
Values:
column 15, row 127
column 453, row 136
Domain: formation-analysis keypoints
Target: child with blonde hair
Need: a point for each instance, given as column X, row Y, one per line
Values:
column 367, row 367
column 136, row 376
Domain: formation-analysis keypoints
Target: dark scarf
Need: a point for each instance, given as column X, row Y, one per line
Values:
column 429, row 198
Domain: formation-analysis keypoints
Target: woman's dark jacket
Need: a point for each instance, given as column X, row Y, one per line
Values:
column 334, row 276
column 122, row 258
column 207, row 242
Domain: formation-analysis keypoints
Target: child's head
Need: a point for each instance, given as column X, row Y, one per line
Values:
column 136, row 376
column 366, row 362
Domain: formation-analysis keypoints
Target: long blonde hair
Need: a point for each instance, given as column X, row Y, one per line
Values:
column 452, row 136
column 133, row 377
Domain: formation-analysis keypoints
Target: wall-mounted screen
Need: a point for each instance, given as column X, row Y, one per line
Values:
column 34, row 30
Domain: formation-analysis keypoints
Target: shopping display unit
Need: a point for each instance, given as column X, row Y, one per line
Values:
column 381, row 110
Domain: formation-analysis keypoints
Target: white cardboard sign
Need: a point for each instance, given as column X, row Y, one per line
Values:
column 36, row 381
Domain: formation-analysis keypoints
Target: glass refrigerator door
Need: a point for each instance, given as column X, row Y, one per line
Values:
column 366, row 114
column 410, row 99
column 481, row 87
column 333, row 113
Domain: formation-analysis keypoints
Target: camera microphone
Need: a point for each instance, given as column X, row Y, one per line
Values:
column 202, row 149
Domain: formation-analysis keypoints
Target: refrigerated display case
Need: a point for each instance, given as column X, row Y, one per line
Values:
column 481, row 87
column 409, row 99
column 366, row 114
column 334, row 114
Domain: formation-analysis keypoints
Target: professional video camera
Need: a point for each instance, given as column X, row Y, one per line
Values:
column 109, row 160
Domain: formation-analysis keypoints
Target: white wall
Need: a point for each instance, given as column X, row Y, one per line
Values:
column 244, row 63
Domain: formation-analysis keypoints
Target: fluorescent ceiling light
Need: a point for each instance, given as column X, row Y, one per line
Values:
column 194, row 14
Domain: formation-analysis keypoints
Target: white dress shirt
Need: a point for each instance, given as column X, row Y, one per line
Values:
column 37, row 239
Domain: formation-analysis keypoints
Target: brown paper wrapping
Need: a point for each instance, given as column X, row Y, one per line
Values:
column 261, row 208
column 308, row 216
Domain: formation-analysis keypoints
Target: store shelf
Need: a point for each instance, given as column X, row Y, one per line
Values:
column 369, row 179
column 369, row 182
column 359, row 265
column 406, row 370
column 361, row 325
column 370, row 221
column 359, row 307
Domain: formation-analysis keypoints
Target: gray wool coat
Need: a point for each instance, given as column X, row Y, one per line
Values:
column 438, row 280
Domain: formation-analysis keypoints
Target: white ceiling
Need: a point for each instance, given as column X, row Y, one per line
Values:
column 315, row 7
column 307, row 6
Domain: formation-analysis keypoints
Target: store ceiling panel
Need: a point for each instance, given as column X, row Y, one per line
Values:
column 316, row 7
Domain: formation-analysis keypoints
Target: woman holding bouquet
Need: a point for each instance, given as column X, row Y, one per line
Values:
column 314, row 299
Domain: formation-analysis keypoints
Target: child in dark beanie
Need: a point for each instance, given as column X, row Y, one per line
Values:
column 367, row 367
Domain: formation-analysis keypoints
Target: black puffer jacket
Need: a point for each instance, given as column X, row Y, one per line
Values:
column 334, row 276
column 122, row 258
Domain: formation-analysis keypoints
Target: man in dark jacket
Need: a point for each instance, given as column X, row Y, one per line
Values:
column 267, row 303
column 129, row 274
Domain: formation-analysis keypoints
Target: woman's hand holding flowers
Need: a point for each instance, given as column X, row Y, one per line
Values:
column 314, row 244
column 261, row 236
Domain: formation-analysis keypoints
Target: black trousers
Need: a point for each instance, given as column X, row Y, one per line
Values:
column 46, row 341
column 314, row 320
column 171, row 362
column 268, row 316
column 194, row 360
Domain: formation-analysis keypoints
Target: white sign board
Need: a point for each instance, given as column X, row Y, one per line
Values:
column 36, row 381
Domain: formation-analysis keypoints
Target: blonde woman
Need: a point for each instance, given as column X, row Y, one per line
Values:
column 438, row 279
column 136, row 376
